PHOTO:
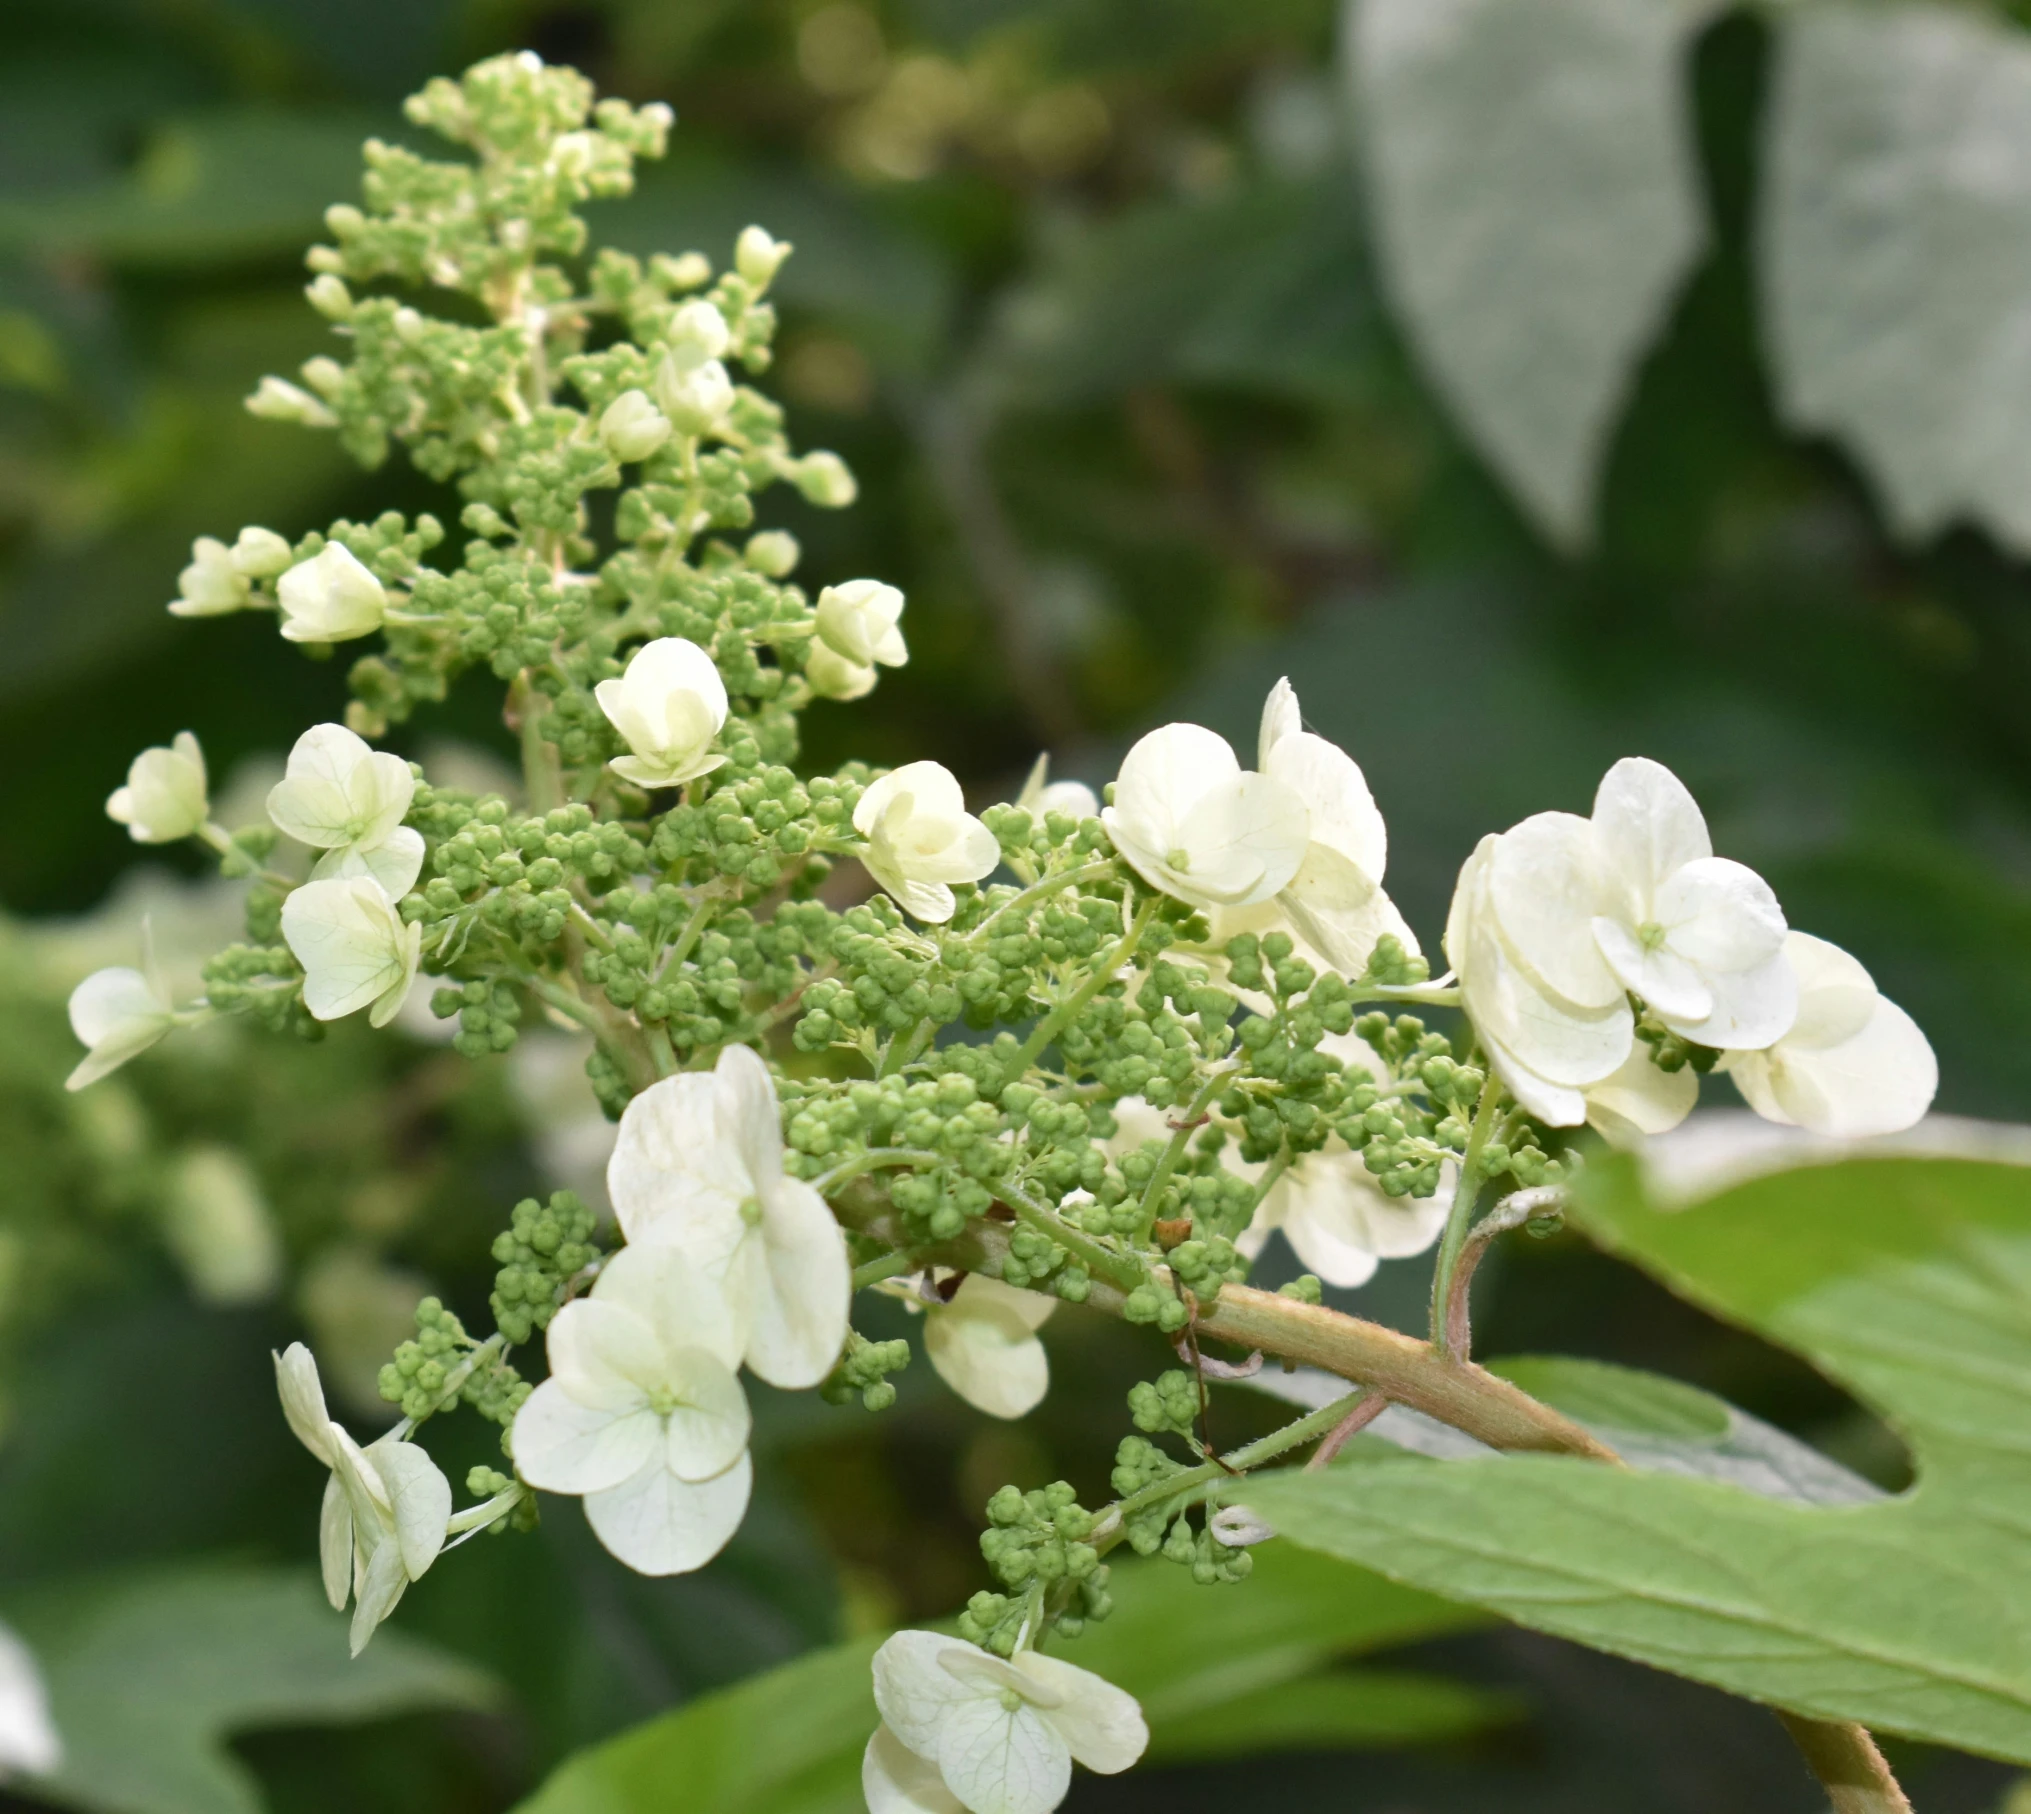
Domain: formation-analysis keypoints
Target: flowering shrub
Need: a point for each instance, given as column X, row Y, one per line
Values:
column 1191, row 1014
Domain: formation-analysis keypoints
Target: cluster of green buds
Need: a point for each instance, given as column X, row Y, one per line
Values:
column 1087, row 1047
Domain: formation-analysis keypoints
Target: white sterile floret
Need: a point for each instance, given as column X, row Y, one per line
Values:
column 165, row 797
column 1002, row 1736
column 331, row 597
column 1634, row 900
column 643, row 1414
column 691, row 385
column 697, row 334
column 633, row 427
column 347, row 799
column 355, row 950
column 28, row 1737
column 1852, row 1065
column 698, row 1167
column 758, row 255
column 1042, row 795
column 1192, row 822
column 1546, row 1049
column 1339, row 1222
column 984, row 1345
column 669, row 705
column 261, row 553
column 921, row 839
column 280, row 401
column 385, row 1506
column 117, row 1014
column 213, row 585
column 1639, row 1100
column 861, row 622
column 832, row 676
column 1335, row 902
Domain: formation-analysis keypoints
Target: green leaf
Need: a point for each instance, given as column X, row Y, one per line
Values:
column 1537, row 206
column 1895, row 243
column 237, row 183
column 150, row 1674
column 1254, row 1675
column 1908, row 1281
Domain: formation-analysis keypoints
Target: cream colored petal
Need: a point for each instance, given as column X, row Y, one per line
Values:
column 1836, row 995
column 1879, row 1082
column 1102, row 1724
column 335, row 1545
column 379, row 1589
column 800, row 1318
column 1650, row 826
column 706, row 1431
column 1245, row 839
column 999, row 1760
column 1752, row 1008
column 660, row 1525
column 988, row 1353
column 421, row 1498
column 1660, row 976
column 1340, row 912
column 1329, row 781
column 1281, row 718
column 563, row 1446
column 662, row 1285
column 606, row 1356
column 672, row 1176
column 394, row 863
column 1720, row 915
column 1545, row 889
column 1640, row 1100
column 895, row 1780
column 302, row 1395
column 350, row 942
column 914, row 1690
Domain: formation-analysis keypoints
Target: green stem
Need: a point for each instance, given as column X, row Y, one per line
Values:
column 1051, row 884
column 1069, row 1010
column 1430, row 995
column 662, row 1051
column 694, row 930
column 1181, row 1135
column 872, row 1272
column 1238, row 1461
column 1120, row 1270
column 827, row 1182
column 1460, row 1218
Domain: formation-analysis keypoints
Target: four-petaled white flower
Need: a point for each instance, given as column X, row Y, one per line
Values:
column 861, row 623
column 643, row 1413
column 348, row 800
column 1634, row 901
column 1042, row 795
column 118, row 1014
column 983, row 1343
column 1852, row 1064
column 354, row 948
column 385, row 1506
column 921, row 839
column 28, row 1737
column 1193, row 823
column 1339, row 1221
column 698, row 1167
column 632, row 427
column 1000, row 1737
column 165, row 797
column 669, row 706
column 331, row 597
column 1335, row 902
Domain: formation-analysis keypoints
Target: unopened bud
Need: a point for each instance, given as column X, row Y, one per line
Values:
column 633, row 427
column 824, row 480
column 758, row 256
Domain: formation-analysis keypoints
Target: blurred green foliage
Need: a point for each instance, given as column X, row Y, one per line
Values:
column 1084, row 292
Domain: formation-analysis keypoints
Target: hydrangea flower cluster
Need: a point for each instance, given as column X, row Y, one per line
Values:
column 1084, row 1048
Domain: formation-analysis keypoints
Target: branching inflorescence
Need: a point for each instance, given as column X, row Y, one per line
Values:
column 1191, row 1017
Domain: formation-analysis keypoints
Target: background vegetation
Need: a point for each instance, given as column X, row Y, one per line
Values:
column 1086, row 292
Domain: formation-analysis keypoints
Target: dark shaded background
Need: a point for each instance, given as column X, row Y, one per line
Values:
column 1082, row 292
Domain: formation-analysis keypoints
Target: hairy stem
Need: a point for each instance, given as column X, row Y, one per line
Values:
column 1849, row 1767
column 1069, row 1010
column 1519, row 1207
column 1460, row 1218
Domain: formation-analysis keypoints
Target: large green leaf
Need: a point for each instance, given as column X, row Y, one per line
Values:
column 150, row 1674
column 1537, row 206
column 1220, row 1671
column 1910, row 1282
column 1897, row 243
